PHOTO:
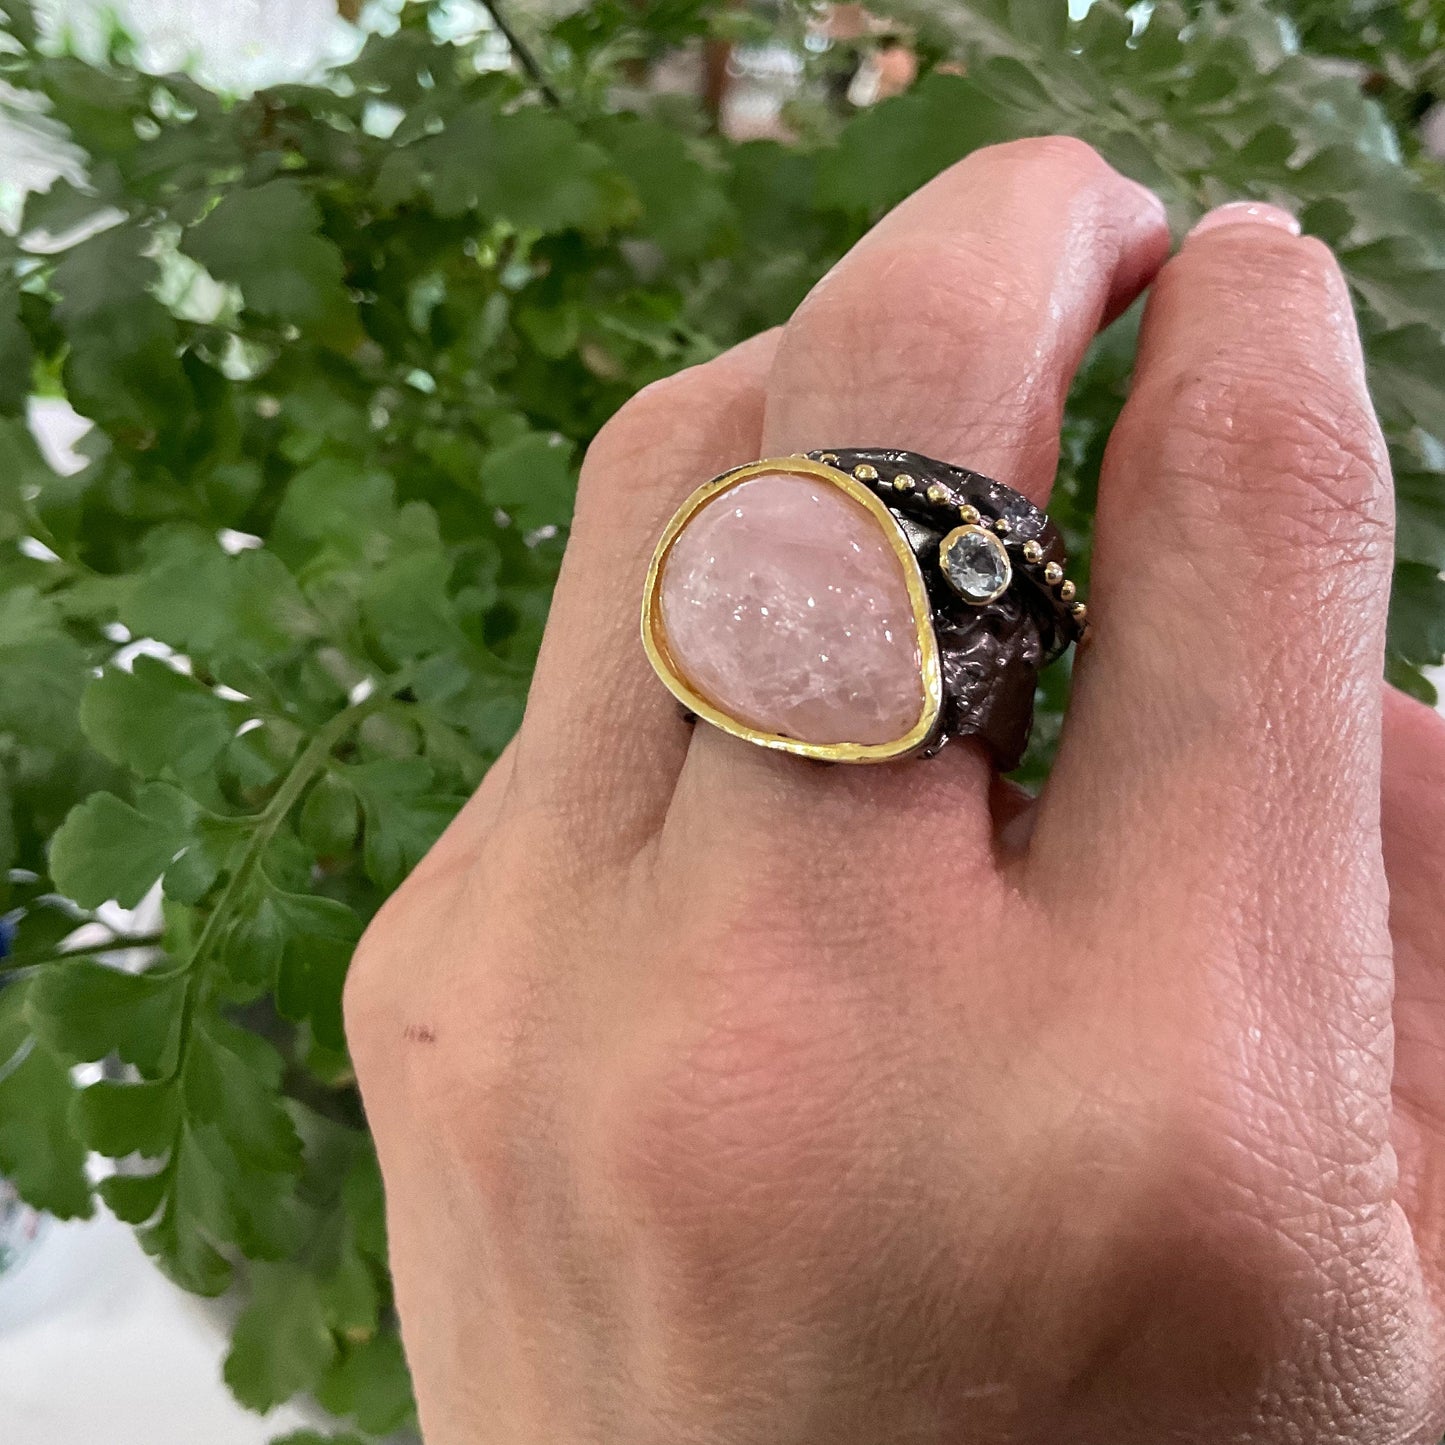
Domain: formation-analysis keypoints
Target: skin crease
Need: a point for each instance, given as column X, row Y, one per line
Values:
column 724, row 1098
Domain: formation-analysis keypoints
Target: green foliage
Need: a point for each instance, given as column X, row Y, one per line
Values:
column 340, row 383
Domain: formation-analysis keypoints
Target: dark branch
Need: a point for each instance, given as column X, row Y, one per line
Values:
column 525, row 58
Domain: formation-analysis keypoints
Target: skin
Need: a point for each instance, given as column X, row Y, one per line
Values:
column 713, row 1111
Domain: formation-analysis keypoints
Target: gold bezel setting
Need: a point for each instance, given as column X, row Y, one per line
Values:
column 970, row 529
column 654, row 638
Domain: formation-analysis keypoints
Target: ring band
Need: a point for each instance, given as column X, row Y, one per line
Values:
column 859, row 606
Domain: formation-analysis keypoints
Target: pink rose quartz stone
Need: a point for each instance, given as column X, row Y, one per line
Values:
column 785, row 606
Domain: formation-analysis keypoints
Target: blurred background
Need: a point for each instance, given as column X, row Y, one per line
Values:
column 307, row 312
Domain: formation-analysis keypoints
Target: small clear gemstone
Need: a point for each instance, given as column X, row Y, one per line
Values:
column 1024, row 519
column 976, row 564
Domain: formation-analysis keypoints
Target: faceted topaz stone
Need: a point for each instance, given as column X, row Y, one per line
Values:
column 784, row 604
column 976, row 564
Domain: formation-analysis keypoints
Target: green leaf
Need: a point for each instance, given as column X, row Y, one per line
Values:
column 333, row 507
column 1420, row 516
column 888, row 151
column 40, row 1154
column 302, row 945
column 220, row 609
column 684, row 209
column 20, row 21
column 24, row 473
column 1407, row 376
column 1417, row 614
column 86, row 1011
column 60, row 209
column 369, row 1382
column 1409, row 679
column 123, row 366
column 408, row 608
column 282, row 1343
column 366, row 1206
column 532, row 479
column 531, row 168
column 232, row 1080
column 134, row 1198
column 1395, row 278
column 266, row 241
column 193, row 1215
column 213, row 848
column 121, row 1119
column 8, row 842
column 351, row 1297
column 154, row 720
column 311, row 1437
column 16, row 353
column 403, row 815
column 43, row 667
column 27, row 615
column 216, row 1204
column 106, row 849
column 330, row 816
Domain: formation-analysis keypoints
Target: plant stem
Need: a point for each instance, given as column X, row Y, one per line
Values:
column 306, row 767
column 19, row 963
column 16, row 1061
column 312, row 760
column 525, row 58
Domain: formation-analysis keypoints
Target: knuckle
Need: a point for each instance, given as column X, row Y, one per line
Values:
column 1285, row 273
column 925, row 298
column 702, row 411
column 1296, row 459
column 634, row 427
column 481, row 1102
column 932, row 294
column 464, row 1079
column 367, row 998
column 385, row 997
column 1315, row 265
column 1065, row 158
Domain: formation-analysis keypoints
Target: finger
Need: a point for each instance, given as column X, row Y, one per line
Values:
column 954, row 329
column 1227, row 708
column 1413, row 823
column 602, row 740
column 955, row 326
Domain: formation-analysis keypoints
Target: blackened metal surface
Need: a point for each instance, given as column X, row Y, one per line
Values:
column 991, row 654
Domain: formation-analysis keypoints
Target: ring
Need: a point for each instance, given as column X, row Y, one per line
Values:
column 859, row 606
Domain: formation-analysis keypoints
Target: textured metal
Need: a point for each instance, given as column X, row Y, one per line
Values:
column 991, row 655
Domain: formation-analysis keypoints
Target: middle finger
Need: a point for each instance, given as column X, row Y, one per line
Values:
column 954, row 329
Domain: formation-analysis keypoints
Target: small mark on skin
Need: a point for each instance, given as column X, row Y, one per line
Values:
column 420, row 1033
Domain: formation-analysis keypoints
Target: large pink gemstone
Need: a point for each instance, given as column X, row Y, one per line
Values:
column 785, row 606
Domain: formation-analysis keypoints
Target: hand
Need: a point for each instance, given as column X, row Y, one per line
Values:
column 727, row 1098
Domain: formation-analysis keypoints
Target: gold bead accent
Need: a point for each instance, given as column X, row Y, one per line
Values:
column 865, row 473
column 936, row 494
column 1003, row 526
column 1053, row 574
column 902, row 482
column 1033, row 552
column 1080, row 611
column 829, row 459
column 970, row 515
column 1067, row 591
